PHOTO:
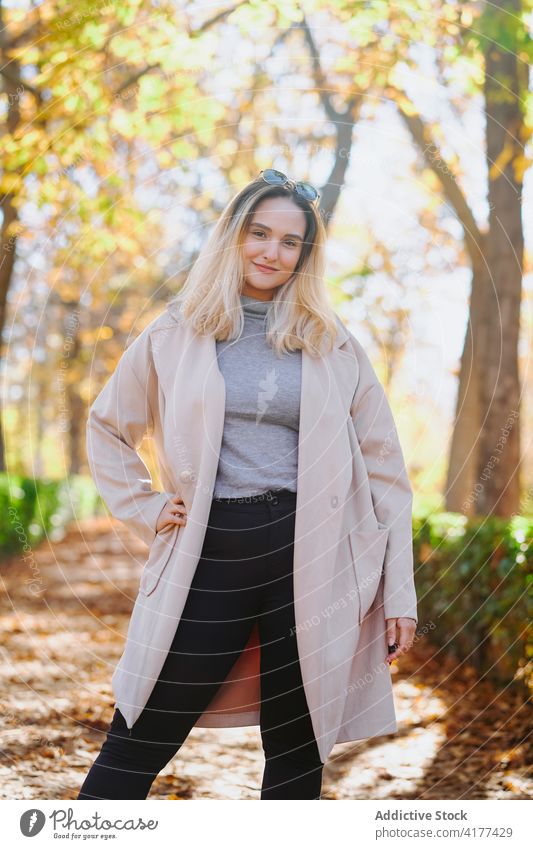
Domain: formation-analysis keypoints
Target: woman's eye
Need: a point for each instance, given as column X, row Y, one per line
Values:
column 289, row 242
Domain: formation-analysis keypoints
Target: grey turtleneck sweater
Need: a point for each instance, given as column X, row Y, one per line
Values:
column 259, row 449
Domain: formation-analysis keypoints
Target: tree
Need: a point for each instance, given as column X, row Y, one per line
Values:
column 483, row 473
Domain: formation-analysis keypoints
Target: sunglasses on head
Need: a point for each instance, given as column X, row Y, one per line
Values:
column 277, row 178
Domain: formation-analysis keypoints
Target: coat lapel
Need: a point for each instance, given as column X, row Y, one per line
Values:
column 194, row 395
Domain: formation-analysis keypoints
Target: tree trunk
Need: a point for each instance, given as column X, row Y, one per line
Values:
column 461, row 489
column 498, row 461
column 74, row 404
column 12, row 86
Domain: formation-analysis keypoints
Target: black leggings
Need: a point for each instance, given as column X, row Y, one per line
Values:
column 245, row 573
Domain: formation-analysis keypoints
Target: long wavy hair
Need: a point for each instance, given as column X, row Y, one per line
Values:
column 301, row 315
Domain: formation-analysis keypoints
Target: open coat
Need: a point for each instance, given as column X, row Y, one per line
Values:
column 353, row 557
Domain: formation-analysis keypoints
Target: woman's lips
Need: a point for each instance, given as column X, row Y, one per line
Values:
column 264, row 268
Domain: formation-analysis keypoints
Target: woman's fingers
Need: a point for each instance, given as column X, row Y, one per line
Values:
column 400, row 634
column 174, row 513
column 392, row 645
column 178, row 510
column 180, row 517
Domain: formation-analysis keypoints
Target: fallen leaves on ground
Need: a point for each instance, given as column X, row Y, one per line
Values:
column 65, row 612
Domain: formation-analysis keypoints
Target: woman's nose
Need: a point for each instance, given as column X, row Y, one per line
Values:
column 271, row 251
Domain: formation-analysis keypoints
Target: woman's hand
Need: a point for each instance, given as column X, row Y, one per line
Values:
column 173, row 513
column 400, row 632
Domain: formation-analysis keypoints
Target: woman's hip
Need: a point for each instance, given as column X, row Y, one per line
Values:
column 254, row 533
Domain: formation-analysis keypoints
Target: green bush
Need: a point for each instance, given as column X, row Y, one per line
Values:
column 474, row 580
column 32, row 510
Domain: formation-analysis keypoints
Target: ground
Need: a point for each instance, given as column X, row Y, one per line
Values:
column 65, row 610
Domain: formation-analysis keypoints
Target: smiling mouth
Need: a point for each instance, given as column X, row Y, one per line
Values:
column 264, row 267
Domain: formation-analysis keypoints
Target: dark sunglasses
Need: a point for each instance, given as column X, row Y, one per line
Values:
column 277, row 178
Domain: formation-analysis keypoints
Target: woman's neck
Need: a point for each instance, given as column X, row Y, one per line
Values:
column 254, row 306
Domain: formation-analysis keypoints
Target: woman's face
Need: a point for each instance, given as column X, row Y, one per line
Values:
column 273, row 240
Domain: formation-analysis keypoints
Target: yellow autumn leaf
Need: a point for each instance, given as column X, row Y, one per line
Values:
column 504, row 157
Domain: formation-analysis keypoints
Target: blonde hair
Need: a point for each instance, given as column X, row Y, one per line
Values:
column 301, row 316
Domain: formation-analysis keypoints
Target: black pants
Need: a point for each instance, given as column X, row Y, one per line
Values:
column 245, row 573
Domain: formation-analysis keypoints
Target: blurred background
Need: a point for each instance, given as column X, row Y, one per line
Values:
column 125, row 129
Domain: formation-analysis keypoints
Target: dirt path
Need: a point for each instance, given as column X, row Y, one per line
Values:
column 65, row 613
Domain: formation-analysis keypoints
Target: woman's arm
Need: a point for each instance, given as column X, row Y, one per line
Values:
column 392, row 495
column 118, row 420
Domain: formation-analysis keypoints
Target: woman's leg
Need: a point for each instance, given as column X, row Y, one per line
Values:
column 293, row 769
column 217, row 619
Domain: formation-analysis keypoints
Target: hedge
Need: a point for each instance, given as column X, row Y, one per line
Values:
column 474, row 580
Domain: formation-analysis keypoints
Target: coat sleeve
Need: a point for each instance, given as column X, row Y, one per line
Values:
column 392, row 495
column 118, row 419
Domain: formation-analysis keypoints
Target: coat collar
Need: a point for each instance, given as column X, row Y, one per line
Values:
column 340, row 366
column 328, row 383
column 174, row 308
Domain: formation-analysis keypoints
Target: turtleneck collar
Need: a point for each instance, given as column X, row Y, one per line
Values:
column 253, row 307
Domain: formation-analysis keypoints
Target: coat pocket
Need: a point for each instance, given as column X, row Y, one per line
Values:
column 158, row 557
column 368, row 555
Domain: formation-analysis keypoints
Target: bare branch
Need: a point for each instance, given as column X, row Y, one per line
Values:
column 434, row 159
column 7, row 72
column 220, row 16
column 29, row 34
column 134, row 77
column 318, row 74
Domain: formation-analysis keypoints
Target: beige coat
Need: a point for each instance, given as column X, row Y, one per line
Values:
column 353, row 559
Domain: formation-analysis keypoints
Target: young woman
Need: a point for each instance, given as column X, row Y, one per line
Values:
column 279, row 582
